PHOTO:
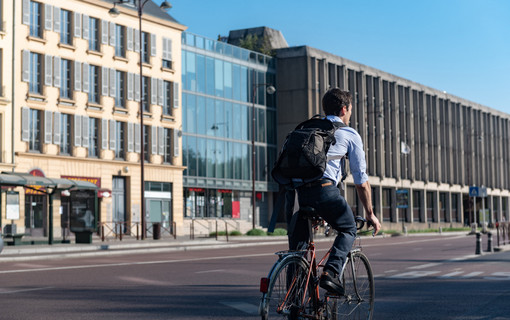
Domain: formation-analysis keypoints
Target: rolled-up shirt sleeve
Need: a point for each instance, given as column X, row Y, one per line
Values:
column 357, row 162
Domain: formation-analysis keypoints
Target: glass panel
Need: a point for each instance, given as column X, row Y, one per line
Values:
column 261, row 125
column 228, row 120
column 227, row 73
column 244, row 84
column 211, row 122
column 200, row 72
column 261, row 164
column 191, row 81
column 210, row 76
column 192, row 156
column 271, row 126
column 237, row 119
column 229, row 168
column 211, row 158
column 246, row 162
column 220, row 117
column 238, row 161
column 190, row 39
column 236, row 77
column 245, row 123
column 185, row 154
column 220, row 159
column 185, row 112
column 191, row 113
column 218, row 77
column 199, row 42
column 201, row 115
column 202, row 157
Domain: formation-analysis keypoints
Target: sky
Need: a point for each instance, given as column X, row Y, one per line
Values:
column 458, row 46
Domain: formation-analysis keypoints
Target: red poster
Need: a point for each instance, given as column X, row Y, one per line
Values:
column 236, row 209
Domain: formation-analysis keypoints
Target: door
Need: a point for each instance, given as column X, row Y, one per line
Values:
column 119, row 203
column 35, row 215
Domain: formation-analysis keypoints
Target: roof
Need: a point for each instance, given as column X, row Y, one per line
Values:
column 150, row 8
column 15, row 179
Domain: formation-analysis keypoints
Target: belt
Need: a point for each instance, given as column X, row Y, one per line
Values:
column 321, row 182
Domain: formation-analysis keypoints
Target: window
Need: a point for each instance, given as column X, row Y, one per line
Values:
column 35, row 67
column 168, row 97
column 120, row 85
column 94, row 84
column 145, row 94
column 66, row 27
column 120, row 41
column 34, row 130
column 65, row 134
column 120, row 134
column 94, row 35
column 167, row 158
column 93, row 137
column 66, row 85
column 167, row 53
column 145, row 47
column 35, row 19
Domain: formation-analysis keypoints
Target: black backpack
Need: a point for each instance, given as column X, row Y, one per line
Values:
column 303, row 156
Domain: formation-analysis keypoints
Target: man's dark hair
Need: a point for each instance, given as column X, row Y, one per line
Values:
column 334, row 100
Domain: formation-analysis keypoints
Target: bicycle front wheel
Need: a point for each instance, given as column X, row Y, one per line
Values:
column 287, row 296
column 358, row 281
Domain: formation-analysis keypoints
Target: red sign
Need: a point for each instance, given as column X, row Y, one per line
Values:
column 96, row 181
column 34, row 189
column 224, row 191
column 196, row 189
column 236, row 209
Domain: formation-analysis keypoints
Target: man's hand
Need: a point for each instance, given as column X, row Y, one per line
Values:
column 372, row 219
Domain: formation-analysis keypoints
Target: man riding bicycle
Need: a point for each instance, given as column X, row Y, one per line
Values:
column 325, row 197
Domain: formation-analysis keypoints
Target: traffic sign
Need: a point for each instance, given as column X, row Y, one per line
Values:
column 473, row 191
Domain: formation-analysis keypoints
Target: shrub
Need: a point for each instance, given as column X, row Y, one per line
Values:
column 256, row 232
column 220, row 233
column 235, row 233
column 278, row 232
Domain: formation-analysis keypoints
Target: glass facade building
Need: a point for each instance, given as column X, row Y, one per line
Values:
column 221, row 86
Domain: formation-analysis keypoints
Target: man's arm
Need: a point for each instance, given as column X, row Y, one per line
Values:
column 365, row 195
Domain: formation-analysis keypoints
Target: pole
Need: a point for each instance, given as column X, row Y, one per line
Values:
column 253, row 167
column 142, row 142
column 474, row 209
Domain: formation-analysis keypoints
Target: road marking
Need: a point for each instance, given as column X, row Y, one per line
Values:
column 499, row 276
column 145, row 281
column 208, row 271
column 413, row 274
column 423, row 266
column 23, row 290
column 450, row 275
column 390, row 271
column 471, row 275
column 242, row 306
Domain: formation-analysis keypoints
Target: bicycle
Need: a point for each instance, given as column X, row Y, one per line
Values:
column 291, row 290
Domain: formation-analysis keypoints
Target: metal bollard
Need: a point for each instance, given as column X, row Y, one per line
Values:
column 478, row 249
column 489, row 242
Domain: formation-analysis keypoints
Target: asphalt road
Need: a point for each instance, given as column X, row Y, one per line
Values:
column 427, row 277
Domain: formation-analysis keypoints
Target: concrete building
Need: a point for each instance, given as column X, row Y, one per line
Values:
column 70, row 109
column 222, row 84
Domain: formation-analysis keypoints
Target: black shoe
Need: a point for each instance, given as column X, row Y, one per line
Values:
column 331, row 284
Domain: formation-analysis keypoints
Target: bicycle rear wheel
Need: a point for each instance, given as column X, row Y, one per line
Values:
column 286, row 297
column 358, row 281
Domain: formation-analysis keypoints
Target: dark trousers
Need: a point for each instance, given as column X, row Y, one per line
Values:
column 332, row 207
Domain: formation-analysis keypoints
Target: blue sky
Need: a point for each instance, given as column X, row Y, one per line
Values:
column 458, row 46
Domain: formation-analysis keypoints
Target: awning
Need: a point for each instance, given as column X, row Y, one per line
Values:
column 15, row 179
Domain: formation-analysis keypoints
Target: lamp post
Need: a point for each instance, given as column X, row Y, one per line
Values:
column 114, row 12
column 270, row 90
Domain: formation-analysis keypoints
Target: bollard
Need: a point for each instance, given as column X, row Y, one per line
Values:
column 489, row 242
column 440, row 230
column 478, row 243
column 405, row 230
column 473, row 227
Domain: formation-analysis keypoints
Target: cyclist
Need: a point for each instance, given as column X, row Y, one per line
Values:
column 325, row 197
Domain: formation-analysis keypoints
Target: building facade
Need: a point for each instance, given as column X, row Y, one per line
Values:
column 73, row 109
column 221, row 86
column 428, row 143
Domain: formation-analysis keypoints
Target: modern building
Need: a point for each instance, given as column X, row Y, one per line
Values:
column 225, row 109
column 431, row 144
column 70, row 109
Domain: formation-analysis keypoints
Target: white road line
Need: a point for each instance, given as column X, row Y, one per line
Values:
column 472, row 274
column 242, row 306
column 413, row 274
column 23, row 290
column 208, row 271
column 423, row 266
column 390, row 271
column 450, row 275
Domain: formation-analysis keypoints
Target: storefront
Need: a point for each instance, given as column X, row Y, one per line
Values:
column 212, row 203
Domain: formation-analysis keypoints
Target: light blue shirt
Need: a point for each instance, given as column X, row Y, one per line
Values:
column 348, row 141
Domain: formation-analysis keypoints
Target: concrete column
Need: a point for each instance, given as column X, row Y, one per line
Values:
column 425, row 98
column 395, row 137
column 413, row 136
column 379, row 141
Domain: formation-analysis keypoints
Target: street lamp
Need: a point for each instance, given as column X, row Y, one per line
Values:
column 114, row 12
column 270, row 90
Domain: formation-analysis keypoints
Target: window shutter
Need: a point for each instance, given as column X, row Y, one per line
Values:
column 77, row 131
column 113, row 79
column 169, row 48
column 112, row 33
column 85, row 77
column 56, row 72
column 25, row 74
column 176, row 143
column 85, row 26
column 154, row 140
column 165, row 49
column 26, row 12
column 130, row 86
column 131, row 142
column 137, row 87
column 77, row 76
column 48, row 13
column 176, row 94
column 112, row 134
column 104, row 32
column 104, row 134
column 85, row 131
column 161, row 140
column 77, row 25
column 104, row 81
column 129, row 31
column 48, row 70
column 161, row 93
column 47, row 126
column 153, row 44
column 56, row 128
column 137, row 137
column 25, row 136
column 137, row 40
column 56, row 19
column 154, row 91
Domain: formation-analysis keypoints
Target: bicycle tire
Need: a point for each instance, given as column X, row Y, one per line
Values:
column 284, row 298
column 358, row 300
